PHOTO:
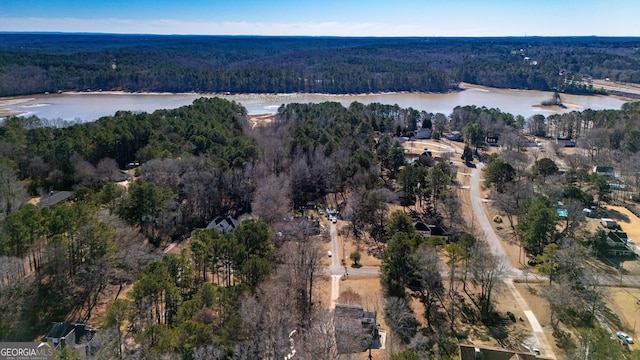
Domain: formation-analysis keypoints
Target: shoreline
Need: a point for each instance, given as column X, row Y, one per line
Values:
column 463, row 86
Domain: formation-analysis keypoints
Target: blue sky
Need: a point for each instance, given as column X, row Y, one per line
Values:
column 327, row 17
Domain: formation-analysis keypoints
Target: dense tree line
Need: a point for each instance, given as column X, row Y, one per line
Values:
column 37, row 63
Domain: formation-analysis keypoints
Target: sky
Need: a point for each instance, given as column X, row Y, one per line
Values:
column 327, row 17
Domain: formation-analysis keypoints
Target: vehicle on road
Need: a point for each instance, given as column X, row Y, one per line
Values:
column 624, row 337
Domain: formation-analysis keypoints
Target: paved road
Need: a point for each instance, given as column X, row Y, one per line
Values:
column 511, row 273
column 485, row 225
column 337, row 271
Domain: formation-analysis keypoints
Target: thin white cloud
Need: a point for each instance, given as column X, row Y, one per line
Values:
column 166, row 26
column 436, row 27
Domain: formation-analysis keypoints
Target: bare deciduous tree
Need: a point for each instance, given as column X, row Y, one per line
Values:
column 271, row 202
column 487, row 272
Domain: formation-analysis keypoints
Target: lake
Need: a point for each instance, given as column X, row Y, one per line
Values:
column 91, row 106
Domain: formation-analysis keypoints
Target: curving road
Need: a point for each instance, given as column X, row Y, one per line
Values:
column 538, row 338
column 484, row 223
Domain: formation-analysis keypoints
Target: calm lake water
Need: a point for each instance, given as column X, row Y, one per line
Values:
column 91, row 106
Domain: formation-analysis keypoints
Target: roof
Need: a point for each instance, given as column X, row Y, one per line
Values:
column 420, row 226
column 60, row 330
column 475, row 352
column 54, row 198
column 224, row 224
column 356, row 330
column 617, row 236
column 601, row 169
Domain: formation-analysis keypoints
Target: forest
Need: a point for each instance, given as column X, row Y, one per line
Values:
column 239, row 295
column 39, row 63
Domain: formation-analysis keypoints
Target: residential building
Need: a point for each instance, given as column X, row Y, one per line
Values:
column 74, row 335
column 224, row 224
column 356, row 330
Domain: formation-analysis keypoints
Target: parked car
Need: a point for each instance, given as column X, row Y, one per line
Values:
column 624, row 337
column 334, row 219
column 329, row 253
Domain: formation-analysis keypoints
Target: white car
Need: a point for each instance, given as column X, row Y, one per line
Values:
column 624, row 337
column 334, row 219
column 630, row 241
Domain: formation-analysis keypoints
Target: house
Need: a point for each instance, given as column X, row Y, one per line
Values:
column 53, row 198
column 356, row 330
column 455, row 136
column 309, row 226
column 74, row 335
column 606, row 171
column 224, row 224
column 427, row 230
column 422, row 133
column 477, row 352
column 617, row 241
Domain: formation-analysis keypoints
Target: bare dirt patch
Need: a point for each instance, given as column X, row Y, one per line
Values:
column 261, row 119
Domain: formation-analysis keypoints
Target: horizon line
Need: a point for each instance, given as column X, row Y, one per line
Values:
column 4, row 32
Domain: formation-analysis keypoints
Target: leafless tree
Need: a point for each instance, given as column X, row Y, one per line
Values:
column 427, row 284
column 594, row 293
column 301, row 255
column 269, row 321
column 319, row 341
column 400, row 319
column 271, row 202
column 440, row 123
column 574, row 216
column 107, row 170
column 487, row 272
column 518, row 160
column 563, row 300
column 450, row 206
column 165, row 172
